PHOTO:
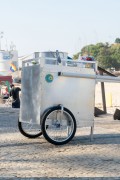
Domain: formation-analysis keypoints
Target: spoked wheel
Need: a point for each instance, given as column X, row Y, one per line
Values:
column 58, row 125
column 29, row 130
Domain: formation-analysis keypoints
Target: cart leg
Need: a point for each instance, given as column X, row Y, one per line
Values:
column 91, row 133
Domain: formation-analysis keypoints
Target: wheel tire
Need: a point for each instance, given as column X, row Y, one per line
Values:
column 45, row 127
column 23, row 132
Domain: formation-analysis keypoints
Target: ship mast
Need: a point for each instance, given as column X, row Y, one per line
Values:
column 1, row 36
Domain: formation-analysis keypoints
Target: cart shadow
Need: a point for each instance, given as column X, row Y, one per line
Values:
column 83, row 140
column 97, row 139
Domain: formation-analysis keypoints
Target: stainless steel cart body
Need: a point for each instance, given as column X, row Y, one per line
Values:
column 75, row 93
column 65, row 89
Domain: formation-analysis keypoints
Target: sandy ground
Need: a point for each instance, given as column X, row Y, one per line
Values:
column 22, row 158
column 112, row 93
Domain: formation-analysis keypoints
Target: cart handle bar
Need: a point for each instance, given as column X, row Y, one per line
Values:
column 98, row 78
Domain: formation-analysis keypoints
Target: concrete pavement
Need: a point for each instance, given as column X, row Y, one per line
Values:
column 21, row 157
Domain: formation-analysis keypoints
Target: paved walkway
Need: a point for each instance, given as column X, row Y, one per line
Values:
column 22, row 157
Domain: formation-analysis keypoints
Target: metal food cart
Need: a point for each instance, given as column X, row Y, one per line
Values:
column 58, row 95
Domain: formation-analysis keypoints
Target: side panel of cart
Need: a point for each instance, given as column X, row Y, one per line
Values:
column 76, row 94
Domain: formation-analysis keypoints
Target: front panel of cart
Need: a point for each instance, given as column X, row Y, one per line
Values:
column 76, row 94
column 30, row 100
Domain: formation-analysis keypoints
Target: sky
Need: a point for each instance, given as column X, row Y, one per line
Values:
column 64, row 25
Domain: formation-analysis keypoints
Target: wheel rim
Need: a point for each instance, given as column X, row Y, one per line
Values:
column 59, row 125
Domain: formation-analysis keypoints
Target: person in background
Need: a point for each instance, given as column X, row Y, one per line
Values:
column 14, row 93
column 6, row 94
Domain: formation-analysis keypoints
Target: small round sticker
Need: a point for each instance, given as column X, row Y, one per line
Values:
column 49, row 78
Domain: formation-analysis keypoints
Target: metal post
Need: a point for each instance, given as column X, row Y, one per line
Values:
column 91, row 133
column 103, row 95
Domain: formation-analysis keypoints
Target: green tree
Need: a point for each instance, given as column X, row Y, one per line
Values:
column 115, row 55
column 76, row 56
column 107, row 56
column 117, row 40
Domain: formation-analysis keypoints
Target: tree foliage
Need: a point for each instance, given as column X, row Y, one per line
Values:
column 107, row 56
column 117, row 40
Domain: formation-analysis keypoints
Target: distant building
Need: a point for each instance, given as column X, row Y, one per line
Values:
column 8, row 61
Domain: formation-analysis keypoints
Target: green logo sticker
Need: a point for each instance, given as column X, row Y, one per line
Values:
column 49, row 78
